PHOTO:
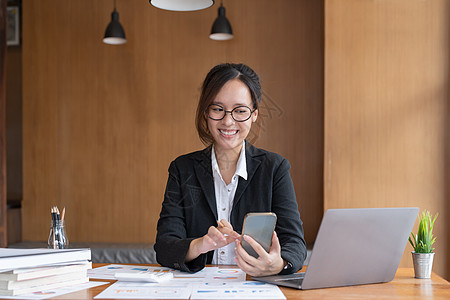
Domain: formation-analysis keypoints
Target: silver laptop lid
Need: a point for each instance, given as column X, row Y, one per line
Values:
column 359, row 246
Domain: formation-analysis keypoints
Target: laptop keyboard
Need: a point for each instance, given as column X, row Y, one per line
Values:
column 292, row 277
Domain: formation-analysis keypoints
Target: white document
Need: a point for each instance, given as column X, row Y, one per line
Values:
column 57, row 292
column 209, row 283
column 108, row 272
column 236, row 290
column 145, row 276
column 209, row 274
column 200, row 274
column 145, row 290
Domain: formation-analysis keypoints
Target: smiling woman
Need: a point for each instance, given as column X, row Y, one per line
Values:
column 209, row 192
column 230, row 131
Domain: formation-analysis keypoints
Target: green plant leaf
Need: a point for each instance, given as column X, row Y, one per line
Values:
column 411, row 242
column 423, row 241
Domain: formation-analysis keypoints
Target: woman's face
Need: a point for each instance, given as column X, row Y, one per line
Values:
column 229, row 134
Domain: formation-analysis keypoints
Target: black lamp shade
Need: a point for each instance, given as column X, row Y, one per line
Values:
column 182, row 5
column 114, row 34
column 221, row 29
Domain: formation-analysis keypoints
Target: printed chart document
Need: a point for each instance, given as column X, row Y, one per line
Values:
column 108, row 272
column 56, row 292
column 194, row 291
column 236, row 290
column 143, row 290
column 209, row 283
column 209, row 273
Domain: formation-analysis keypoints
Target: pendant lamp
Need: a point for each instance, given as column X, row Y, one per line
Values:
column 182, row 5
column 114, row 34
column 221, row 29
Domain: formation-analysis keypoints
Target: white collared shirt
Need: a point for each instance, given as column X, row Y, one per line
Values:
column 224, row 202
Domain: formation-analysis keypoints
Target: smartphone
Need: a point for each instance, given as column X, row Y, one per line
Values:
column 260, row 227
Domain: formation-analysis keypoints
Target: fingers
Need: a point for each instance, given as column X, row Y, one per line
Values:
column 225, row 223
column 240, row 251
column 268, row 263
column 216, row 235
column 209, row 242
column 227, row 229
column 275, row 247
column 200, row 246
column 245, row 261
column 255, row 245
column 220, row 236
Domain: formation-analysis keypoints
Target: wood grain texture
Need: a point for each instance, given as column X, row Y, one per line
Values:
column 14, row 225
column 387, row 109
column 3, row 231
column 102, row 123
column 14, row 123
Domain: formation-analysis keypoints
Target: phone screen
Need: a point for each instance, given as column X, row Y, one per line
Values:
column 260, row 227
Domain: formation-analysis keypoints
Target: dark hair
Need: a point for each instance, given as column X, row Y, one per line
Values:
column 214, row 81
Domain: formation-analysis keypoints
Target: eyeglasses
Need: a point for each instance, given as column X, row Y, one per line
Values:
column 239, row 114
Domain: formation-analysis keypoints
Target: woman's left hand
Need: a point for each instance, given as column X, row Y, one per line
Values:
column 266, row 264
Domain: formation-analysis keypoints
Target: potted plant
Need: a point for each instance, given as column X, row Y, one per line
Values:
column 422, row 243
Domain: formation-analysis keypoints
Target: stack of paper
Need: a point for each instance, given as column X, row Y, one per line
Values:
column 209, row 283
column 30, row 270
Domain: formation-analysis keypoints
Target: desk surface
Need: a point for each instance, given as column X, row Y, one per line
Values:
column 404, row 286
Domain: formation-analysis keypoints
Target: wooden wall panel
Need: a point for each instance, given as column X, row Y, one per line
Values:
column 387, row 109
column 447, row 179
column 3, row 231
column 102, row 123
column 14, row 123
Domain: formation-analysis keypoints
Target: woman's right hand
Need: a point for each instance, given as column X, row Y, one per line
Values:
column 216, row 237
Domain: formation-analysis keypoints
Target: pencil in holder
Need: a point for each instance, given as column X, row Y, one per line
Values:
column 58, row 237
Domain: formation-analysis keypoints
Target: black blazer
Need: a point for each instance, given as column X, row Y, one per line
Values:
column 189, row 207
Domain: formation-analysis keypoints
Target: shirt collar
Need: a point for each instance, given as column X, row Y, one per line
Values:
column 241, row 166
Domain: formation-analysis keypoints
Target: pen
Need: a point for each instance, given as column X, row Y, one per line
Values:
column 221, row 226
column 52, row 210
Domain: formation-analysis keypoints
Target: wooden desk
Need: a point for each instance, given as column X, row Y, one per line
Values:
column 404, row 286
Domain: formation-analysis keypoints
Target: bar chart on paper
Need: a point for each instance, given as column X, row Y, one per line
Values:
column 236, row 290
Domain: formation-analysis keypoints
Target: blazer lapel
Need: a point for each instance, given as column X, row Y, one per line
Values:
column 203, row 170
column 252, row 166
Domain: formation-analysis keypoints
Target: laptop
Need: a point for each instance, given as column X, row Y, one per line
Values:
column 352, row 247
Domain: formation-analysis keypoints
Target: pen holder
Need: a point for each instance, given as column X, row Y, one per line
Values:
column 58, row 237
